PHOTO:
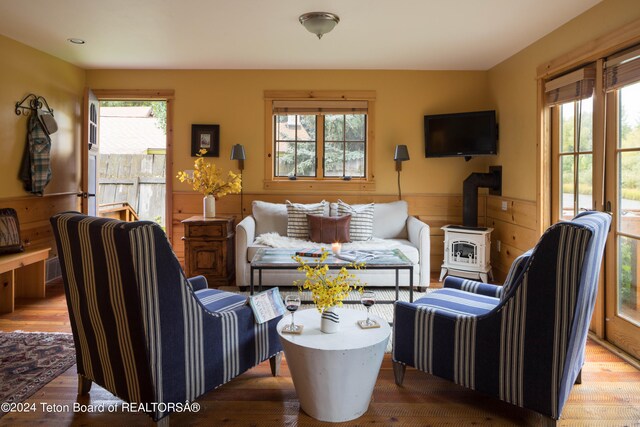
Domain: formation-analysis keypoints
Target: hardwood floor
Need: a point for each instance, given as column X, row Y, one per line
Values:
column 609, row 393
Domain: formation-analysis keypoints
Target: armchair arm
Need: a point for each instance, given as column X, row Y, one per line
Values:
column 473, row 286
column 419, row 233
column 412, row 320
column 198, row 283
column 245, row 235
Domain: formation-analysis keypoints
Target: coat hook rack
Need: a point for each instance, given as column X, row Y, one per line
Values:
column 31, row 103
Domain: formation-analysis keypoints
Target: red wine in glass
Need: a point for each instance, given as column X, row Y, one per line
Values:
column 368, row 298
column 292, row 302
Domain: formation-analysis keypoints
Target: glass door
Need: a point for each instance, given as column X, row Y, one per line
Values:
column 623, row 194
column 573, row 158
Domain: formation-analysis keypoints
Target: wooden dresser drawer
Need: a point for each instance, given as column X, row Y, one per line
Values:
column 211, row 230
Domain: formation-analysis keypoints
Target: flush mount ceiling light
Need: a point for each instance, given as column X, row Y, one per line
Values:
column 319, row 23
column 75, row 40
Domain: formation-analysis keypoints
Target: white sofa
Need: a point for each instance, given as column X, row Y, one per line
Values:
column 392, row 228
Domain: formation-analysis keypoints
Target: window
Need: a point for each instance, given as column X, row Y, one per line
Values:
column 576, row 157
column 319, row 139
column 571, row 99
column 344, row 145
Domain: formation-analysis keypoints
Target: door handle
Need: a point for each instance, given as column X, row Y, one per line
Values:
column 85, row 195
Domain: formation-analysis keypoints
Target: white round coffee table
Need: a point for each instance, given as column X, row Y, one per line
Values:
column 334, row 374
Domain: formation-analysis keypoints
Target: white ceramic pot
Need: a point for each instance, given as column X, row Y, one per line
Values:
column 330, row 321
column 209, row 206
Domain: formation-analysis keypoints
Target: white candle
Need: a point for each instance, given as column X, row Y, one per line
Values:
column 335, row 248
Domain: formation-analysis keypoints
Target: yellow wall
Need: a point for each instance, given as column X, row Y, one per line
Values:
column 234, row 100
column 513, row 86
column 26, row 70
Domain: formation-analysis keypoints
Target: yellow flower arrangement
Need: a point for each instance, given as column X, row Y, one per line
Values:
column 327, row 291
column 206, row 179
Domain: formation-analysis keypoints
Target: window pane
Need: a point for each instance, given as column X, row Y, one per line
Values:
column 630, row 116
column 355, row 127
column 567, row 210
column 628, row 297
column 629, row 192
column 567, row 126
column 285, row 158
column 334, row 127
column 306, row 128
column 286, row 128
column 585, row 182
column 355, row 159
column 334, row 159
column 306, row 159
column 586, row 125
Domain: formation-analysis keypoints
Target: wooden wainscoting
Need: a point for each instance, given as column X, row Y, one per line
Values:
column 34, row 213
column 514, row 223
column 434, row 209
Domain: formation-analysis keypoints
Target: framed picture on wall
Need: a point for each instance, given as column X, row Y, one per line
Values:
column 205, row 137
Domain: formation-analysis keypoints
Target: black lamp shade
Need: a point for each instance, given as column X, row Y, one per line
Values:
column 402, row 153
column 237, row 152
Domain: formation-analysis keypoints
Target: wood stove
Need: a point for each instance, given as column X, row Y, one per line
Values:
column 467, row 252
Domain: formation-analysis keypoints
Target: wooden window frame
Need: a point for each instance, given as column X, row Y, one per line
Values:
column 319, row 182
column 593, row 51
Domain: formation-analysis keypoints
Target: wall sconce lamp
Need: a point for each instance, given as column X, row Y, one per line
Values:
column 401, row 155
column 237, row 153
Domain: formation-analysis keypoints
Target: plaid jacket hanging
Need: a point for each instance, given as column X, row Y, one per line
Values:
column 35, row 171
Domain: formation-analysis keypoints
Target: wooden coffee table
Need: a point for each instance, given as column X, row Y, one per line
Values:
column 334, row 374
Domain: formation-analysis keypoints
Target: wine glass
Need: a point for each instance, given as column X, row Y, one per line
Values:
column 368, row 298
column 292, row 302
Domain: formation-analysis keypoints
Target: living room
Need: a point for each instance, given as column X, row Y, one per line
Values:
column 236, row 98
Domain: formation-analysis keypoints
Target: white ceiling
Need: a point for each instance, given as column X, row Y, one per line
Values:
column 266, row 34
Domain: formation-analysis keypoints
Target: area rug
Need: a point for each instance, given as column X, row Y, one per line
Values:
column 29, row 360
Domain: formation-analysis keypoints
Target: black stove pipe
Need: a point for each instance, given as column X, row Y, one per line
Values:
column 470, row 194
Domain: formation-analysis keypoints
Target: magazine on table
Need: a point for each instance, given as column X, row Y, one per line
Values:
column 267, row 305
column 356, row 256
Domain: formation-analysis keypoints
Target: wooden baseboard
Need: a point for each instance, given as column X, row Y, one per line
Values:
column 615, row 350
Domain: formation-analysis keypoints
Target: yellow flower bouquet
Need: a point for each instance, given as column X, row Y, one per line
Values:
column 326, row 290
column 207, row 179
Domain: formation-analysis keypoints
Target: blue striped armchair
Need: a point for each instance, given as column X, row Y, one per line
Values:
column 141, row 329
column 523, row 342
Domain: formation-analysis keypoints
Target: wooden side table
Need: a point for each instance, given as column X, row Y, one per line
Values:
column 209, row 249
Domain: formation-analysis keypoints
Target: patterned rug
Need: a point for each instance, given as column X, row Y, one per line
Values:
column 28, row 361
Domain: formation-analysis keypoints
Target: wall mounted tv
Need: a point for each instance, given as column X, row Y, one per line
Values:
column 461, row 134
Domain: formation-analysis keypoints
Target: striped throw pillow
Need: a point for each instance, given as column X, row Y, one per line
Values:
column 10, row 241
column 361, row 227
column 297, row 224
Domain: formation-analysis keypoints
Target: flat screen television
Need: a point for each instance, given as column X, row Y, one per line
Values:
column 461, row 134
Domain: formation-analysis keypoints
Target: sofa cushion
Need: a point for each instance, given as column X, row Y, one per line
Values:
column 361, row 227
column 297, row 224
column 326, row 229
column 270, row 217
column 390, row 220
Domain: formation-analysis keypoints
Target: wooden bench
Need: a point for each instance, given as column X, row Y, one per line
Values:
column 22, row 275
